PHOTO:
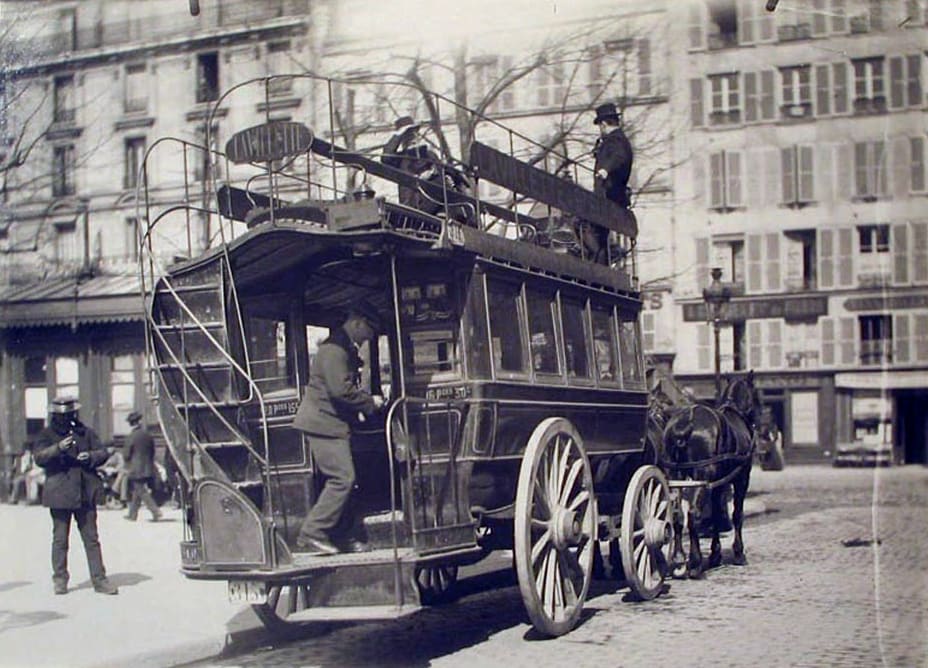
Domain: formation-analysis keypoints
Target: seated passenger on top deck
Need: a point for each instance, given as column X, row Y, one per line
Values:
column 407, row 150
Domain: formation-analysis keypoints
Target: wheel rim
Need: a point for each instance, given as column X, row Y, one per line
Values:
column 283, row 602
column 647, row 532
column 436, row 583
column 555, row 527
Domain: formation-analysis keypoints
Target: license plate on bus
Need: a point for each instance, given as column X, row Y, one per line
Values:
column 243, row 591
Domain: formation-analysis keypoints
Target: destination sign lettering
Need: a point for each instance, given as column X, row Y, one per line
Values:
column 270, row 141
column 789, row 308
column 538, row 184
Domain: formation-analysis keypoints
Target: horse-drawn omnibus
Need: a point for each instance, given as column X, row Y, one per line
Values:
column 517, row 401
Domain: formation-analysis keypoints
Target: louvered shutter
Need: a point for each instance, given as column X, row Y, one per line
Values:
column 828, row 341
column 755, row 264
column 716, row 180
column 805, row 166
column 755, row 345
column 902, row 339
column 774, row 344
column 734, row 178
column 788, row 166
column 900, row 248
column 751, row 97
column 901, row 162
column 843, row 171
column 822, row 90
column 697, row 107
column 702, row 347
column 919, row 252
column 847, row 340
column 840, row 87
column 826, row 259
column 896, row 82
column 844, row 258
column 920, row 336
column 772, row 262
column 755, row 177
column 702, row 263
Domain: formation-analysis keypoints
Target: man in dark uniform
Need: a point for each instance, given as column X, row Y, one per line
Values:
column 140, row 463
column 613, row 167
column 70, row 453
column 333, row 404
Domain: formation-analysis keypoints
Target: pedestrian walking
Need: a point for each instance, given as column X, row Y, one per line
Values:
column 140, row 463
column 333, row 404
column 29, row 477
column 70, row 453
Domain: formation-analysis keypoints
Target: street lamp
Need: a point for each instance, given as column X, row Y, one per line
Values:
column 716, row 295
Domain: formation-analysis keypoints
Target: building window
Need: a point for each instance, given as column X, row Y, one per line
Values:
column 763, row 263
column 873, row 238
column 723, row 24
column 648, row 331
column 136, row 100
column 488, row 73
column 796, row 91
column 798, row 165
column 917, row 165
column 876, row 339
column 66, row 377
column 869, row 92
column 62, row 171
column 696, row 33
column 132, row 239
column 122, row 391
column 793, row 25
column 35, row 379
column 64, row 99
column 759, row 98
column 134, row 154
column 905, row 85
column 725, row 191
column 755, row 24
column 801, row 260
column 207, row 77
column 729, row 256
column 278, row 63
column 551, row 85
column 765, row 344
column 874, row 264
column 644, row 67
column 726, row 99
column 65, row 243
column 870, row 170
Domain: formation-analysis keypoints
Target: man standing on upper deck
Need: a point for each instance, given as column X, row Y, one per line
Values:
column 613, row 153
column 334, row 403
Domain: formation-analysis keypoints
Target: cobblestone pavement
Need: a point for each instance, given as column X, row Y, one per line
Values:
column 836, row 577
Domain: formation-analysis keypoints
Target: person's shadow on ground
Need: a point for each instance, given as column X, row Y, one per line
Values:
column 118, row 579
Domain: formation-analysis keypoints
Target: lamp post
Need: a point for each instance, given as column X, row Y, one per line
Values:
column 716, row 295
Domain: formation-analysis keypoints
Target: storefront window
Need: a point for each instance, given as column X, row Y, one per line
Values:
column 122, row 392
column 66, row 377
column 36, row 395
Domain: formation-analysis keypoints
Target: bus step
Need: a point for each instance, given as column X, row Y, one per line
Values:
column 357, row 613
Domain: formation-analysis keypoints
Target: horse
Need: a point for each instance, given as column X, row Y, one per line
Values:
column 714, row 446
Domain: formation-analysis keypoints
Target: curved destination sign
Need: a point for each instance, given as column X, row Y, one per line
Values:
column 270, row 141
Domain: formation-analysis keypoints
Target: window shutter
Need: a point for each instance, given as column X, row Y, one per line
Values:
column 819, row 18
column 747, row 15
column 716, row 180
column 896, row 82
column 647, row 332
column 806, row 169
column 899, row 154
column 838, row 16
column 788, row 165
column 920, row 336
column 847, row 339
column 772, row 181
column 774, row 344
column 699, row 180
column 880, row 167
column 755, row 345
column 755, row 178
column 702, row 346
column 702, row 263
column 919, row 252
column 734, row 178
column 828, row 341
column 900, row 254
column 772, row 262
column 751, row 112
column 917, row 165
column 766, row 27
column 902, row 343
column 697, row 108
column 826, row 258
column 840, row 90
column 767, row 97
column 844, row 258
column 755, row 264
column 861, row 183
column 914, row 80
column 696, row 28
column 843, row 160
column 824, row 162
column 822, row 90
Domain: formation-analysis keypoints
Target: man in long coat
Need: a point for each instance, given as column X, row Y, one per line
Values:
column 70, row 453
column 333, row 404
column 140, row 464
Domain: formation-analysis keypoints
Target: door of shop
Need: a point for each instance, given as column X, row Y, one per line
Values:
column 912, row 425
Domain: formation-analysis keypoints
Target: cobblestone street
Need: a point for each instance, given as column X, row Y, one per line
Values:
column 835, row 578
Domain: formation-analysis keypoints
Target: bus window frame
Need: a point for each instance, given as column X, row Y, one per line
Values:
column 550, row 296
column 586, row 320
column 637, row 358
column 614, row 343
column 521, row 320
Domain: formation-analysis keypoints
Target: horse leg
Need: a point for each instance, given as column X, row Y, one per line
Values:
column 741, row 491
column 694, row 562
column 680, row 524
column 718, row 509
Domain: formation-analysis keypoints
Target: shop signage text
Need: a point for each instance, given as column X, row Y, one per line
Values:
column 790, row 308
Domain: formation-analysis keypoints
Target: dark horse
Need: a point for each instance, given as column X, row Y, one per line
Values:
column 714, row 446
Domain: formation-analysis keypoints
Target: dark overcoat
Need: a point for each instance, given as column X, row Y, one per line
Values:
column 613, row 153
column 70, row 484
column 333, row 397
column 140, row 457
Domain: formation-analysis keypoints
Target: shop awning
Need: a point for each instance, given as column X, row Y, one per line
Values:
column 885, row 380
column 69, row 301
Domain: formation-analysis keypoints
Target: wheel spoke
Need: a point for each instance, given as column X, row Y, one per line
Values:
column 570, row 590
column 539, row 546
column 541, row 498
column 662, row 508
column 575, row 469
column 583, row 496
column 562, row 477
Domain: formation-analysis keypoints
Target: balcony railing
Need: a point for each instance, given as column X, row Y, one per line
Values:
column 732, row 117
column 790, row 33
column 795, row 111
column 870, row 105
column 876, row 352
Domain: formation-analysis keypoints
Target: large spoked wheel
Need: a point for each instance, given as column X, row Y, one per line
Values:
column 436, row 583
column 646, row 540
column 283, row 602
column 555, row 527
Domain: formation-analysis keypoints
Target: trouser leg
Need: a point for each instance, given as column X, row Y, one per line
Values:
column 332, row 458
column 61, row 528
column 87, row 524
column 144, row 493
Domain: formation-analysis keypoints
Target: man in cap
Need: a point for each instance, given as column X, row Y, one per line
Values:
column 140, row 464
column 70, row 453
column 334, row 403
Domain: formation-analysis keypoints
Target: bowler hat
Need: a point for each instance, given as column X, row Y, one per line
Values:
column 606, row 112
column 405, row 124
column 64, row 404
column 367, row 311
column 134, row 417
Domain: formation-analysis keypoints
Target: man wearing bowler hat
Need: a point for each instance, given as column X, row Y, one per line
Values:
column 70, row 453
column 407, row 151
column 333, row 405
column 140, row 463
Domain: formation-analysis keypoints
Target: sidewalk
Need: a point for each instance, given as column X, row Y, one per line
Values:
column 159, row 618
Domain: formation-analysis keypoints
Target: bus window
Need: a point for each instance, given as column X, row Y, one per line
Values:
column 632, row 377
column 476, row 337
column 505, row 307
column 541, row 332
column 267, row 353
column 575, row 337
column 430, row 330
column 604, row 346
